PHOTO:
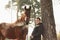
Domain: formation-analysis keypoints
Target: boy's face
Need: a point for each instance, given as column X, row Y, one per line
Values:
column 37, row 21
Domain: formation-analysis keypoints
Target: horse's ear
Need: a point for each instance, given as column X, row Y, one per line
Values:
column 25, row 7
column 30, row 7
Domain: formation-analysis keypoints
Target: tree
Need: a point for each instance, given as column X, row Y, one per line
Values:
column 48, row 20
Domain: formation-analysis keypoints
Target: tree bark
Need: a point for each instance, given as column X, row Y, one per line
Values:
column 48, row 20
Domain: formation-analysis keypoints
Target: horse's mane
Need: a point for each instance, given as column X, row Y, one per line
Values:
column 22, row 18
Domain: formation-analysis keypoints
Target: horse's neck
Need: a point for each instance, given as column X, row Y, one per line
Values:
column 20, row 24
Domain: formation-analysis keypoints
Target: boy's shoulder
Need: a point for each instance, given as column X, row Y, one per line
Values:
column 41, row 23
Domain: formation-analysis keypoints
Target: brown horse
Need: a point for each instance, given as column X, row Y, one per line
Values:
column 17, row 30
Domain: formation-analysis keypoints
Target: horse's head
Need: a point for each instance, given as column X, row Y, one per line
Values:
column 27, row 13
column 25, row 16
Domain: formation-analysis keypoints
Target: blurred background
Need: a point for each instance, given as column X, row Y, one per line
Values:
column 10, row 8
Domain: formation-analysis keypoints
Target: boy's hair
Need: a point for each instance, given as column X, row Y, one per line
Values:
column 38, row 18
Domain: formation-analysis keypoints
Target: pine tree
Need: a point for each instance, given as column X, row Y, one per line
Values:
column 48, row 20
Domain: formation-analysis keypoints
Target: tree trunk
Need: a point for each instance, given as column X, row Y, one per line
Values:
column 48, row 20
